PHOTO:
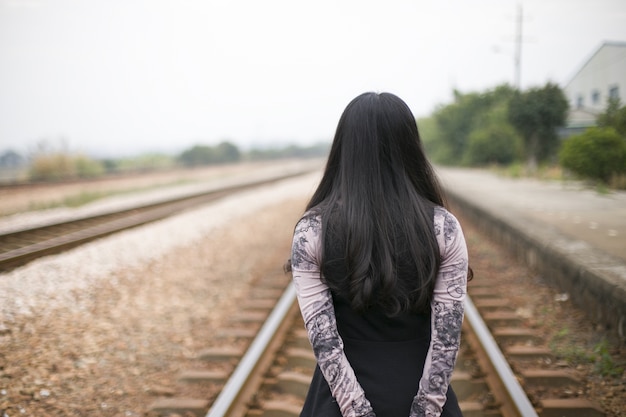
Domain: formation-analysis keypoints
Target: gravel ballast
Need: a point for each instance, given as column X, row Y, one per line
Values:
column 104, row 328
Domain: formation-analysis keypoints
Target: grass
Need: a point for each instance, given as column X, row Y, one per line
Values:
column 86, row 197
column 574, row 353
column 556, row 173
column 520, row 170
column 75, row 200
column 602, row 189
column 604, row 364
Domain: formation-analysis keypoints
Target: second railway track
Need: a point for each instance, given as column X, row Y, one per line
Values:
column 24, row 245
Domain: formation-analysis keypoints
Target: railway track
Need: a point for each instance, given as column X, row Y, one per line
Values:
column 261, row 362
column 22, row 246
column 271, row 378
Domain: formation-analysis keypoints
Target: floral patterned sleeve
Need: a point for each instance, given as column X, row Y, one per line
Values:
column 446, row 317
column 318, row 312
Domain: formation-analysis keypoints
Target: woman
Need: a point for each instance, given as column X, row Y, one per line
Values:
column 380, row 270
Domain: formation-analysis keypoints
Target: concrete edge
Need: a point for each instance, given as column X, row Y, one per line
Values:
column 595, row 280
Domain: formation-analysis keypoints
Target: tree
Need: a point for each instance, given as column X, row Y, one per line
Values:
column 226, row 152
column 197, row 155
column 455, row 122
column 429, row 135
column 493, row 141
column 536, row 113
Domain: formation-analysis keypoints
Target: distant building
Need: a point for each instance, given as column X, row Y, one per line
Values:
column 12, row 166
column 11, row 159
column 601, row 77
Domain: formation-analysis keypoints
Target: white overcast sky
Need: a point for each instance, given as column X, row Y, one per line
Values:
column 121, row 77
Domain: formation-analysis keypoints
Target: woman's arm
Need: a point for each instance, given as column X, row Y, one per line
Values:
column 317, row 309
column 446, row 317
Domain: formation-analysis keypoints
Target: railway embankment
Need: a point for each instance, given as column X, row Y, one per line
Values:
column 572, row 237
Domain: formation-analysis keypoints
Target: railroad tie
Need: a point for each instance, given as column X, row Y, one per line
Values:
column 301, row 358
column 293, row 383
column 549, row 377
column 515, row 334
column 570, row 407
column 280, row 409
column 220, row 354
column 524, row 352
column 194, row 376
column 465, row 386
column 181, row 406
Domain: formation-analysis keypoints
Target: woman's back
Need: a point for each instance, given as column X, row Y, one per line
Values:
column 380, row 270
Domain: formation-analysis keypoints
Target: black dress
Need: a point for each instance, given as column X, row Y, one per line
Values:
column 387, row 356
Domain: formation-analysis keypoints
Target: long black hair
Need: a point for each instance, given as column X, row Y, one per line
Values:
column 376, row 200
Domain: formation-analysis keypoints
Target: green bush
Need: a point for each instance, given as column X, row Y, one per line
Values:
column 492, row 144
column 597, row 154
column 614, row 116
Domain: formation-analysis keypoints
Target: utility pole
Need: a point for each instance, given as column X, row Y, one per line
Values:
column 518, row 47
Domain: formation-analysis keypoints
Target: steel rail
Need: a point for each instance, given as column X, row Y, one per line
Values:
column 229, row 399
column 518, row 398
column 232, row 391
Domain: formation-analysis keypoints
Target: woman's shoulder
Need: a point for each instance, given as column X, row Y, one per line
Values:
column 306, row 247
column 447, row 226
column 310, row 220
column 442, row 214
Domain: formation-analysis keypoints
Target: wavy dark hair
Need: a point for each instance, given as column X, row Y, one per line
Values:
column 376, row 200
